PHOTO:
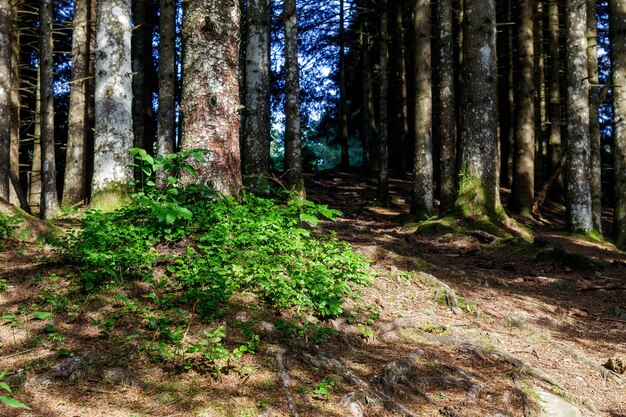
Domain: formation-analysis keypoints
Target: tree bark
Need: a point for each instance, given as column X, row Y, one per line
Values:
column 422, row 196
column 293, row 153
column 397, row 89
column 75, row 161
column 577, row 170
column 342, row 133
column 167, row 79
column 210, row 93
column 368, row 126
column 113, row 97
column 5, row 98
column 478, row 186
column 256, row 114
column 49, row 204
column 144, row 75
column 594, row 117
column 382, row 194
column 618, row 36
column 554, row 100
column 522, row 194
column 34, row 179
column 446, row 97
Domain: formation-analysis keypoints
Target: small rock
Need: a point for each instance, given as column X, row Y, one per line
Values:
column 448, row 411
column 243, row 316
column 117, row 376
column 474, row 392
column 614, row 311
column 352, row 401
column 616, row 364
column 266, row 326
column 72, row 368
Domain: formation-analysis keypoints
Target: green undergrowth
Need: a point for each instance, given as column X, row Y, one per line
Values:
column 201, row 253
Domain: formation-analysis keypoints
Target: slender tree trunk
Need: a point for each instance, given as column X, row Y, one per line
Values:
column 49, row 198
column 167, row 79
column 478, row 185
column 382, row 195
column 506, row 65
column 256, row 115
column 422, row 197
column 594, row 117
column 397, row 89
column 34, row 180
column 343, row 107
column 618, row 36
column 75, row 161
column 113, row 112
column 446, row 97
column 293, row 153
column 18, row 194
column 367, row 130
column 144, row 76
column 210, row 94
column 522, row 195
column 578, row 200
column 554, row 108
column 5, row 98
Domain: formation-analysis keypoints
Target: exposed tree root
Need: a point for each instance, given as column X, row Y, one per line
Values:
column 285, row 381
column 324, row 360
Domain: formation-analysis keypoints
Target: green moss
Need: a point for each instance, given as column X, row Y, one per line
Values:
column 114, row 196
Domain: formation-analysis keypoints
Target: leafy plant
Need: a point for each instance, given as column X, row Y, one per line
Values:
column 325, row 388
column 9, row 401
column 8, row 228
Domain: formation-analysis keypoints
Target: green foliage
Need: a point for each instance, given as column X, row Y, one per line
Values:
column 325, row 388
column 8, row 228
column 8, row 401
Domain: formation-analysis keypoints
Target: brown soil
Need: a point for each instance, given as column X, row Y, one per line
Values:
column 527, row 317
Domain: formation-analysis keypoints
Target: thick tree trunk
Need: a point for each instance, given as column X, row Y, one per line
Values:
column 478, row 185
column 522, row 194
column 382, row 195
column 594, row 117
column 210, row 94
column 17, row 194
column 422, row 196
column 167, row 79
column 578, row 199
column 49, row 204
column 397, row 89
column 75, row 161
column 618, row 35
column 293, row 153
column 144, row 75
column 554, row 107
column 5, row 98
column 506, row 65
column 342, row 132
column 113, row 97
column 256, row 115
column 446, row 97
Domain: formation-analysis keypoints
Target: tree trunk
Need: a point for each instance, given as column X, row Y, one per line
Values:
column 554, row 107
column 397, row 89
column 382, row 195
column 75, row 162
column 578, row 199
column 478, row 185
column 144, row 76
column 49, row 204
column 342, row 133
column 506, row 65
column 17, row 194
column 422, row 197
column 34, row 180
column 522, row 194
column 594, row 117
column 210, row 94
column 5, row 98
column 113, row 97
column 446, row 92
column 293, row 153
column 367, row 123
column 256, row 114
column 167, row 79
column 618, row 36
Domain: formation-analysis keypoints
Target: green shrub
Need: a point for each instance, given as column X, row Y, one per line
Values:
column 265, row 246
column 8, row 228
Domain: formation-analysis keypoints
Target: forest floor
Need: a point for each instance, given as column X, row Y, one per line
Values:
column 458, row 322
